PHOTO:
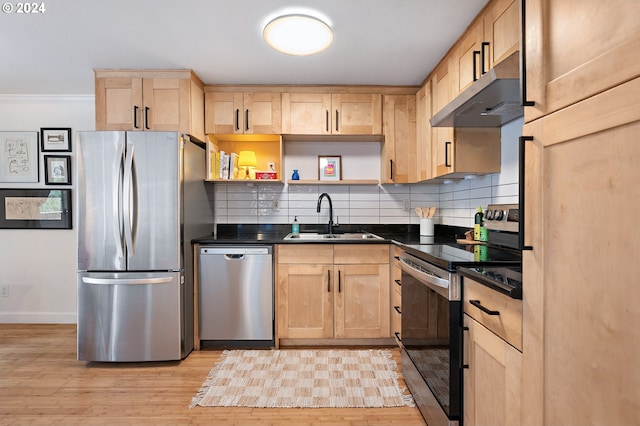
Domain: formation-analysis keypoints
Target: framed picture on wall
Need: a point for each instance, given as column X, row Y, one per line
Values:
column 35, row 209
column 57, row 170
column 329, row 167
column 19, row 157
column 55, row 139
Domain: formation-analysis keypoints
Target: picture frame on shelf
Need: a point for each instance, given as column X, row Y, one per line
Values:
column 57, row 170
column 35, row 209
column 55, row 139
column 19, row 157
column 329, row 167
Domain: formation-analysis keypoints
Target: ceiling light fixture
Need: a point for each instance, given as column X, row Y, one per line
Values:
column 298, row 35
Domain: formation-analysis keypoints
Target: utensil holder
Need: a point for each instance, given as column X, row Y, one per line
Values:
column 426, row 226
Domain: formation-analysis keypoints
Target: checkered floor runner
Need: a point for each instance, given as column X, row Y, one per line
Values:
column 303, row 378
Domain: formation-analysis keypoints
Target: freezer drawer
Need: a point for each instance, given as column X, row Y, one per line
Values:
column 129, row 317
column 236, row 293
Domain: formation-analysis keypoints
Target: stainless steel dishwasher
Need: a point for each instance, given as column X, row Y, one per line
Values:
column 236, row 302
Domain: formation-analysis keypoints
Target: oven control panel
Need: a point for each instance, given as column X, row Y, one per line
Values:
column 502, row 217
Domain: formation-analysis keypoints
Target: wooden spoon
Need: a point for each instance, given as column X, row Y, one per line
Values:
column 419, row 211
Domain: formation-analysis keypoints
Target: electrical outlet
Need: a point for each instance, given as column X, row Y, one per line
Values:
column 4, row 291
column 276, row 205
column 407, row 205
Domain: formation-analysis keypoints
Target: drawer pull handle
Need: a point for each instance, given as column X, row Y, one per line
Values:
column 398, row 336
column 397, row 308
column 399, row 282
column 477, row 304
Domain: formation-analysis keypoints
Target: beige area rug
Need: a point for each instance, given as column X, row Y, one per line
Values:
column 303, row 379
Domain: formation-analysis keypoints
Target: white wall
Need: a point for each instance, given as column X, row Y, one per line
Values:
column 39, row 265
column 371, row 204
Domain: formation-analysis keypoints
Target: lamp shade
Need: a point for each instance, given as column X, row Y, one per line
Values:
column 247, row 159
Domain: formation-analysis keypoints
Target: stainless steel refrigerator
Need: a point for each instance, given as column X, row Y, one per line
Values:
column 140, row 200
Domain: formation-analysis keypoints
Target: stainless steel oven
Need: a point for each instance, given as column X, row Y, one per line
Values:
column 431, row 339
column 431, row 312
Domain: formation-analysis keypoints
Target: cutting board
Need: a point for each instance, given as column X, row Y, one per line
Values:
column 461, row 241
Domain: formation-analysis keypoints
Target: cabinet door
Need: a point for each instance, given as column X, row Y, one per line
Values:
column 305, row 301
column 493, row 380
column 501, row 31
column 589, row 158
column 166, row 104
column 262, row 113
column 356, row 114
column 362, row 301
column 118, row 103
column 443, row 151
column 575, row 50
column 399, row 155
column 423, row 132
column 467, row 151
column 224, row 112
column 306, row 113
column 466, row 65
column 443, row 136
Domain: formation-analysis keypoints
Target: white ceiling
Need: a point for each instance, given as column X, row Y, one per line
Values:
column 386, row 42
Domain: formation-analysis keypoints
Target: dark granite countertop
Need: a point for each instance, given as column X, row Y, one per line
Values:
column 274, row 234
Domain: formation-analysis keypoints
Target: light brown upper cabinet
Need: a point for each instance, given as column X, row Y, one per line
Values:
column 466, row 58
column 331, row 114
column 141, row 100
column 423, row 133
column 562, row 68
column 398, row 160
column 492, row 37
column 238, row 113
column 501, row 23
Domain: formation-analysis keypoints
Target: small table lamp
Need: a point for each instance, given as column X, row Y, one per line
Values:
column 247, row 160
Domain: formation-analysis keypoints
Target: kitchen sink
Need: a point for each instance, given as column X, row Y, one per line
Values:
column 311, row 236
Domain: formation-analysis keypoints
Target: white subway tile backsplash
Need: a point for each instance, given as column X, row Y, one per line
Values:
column 456, row 201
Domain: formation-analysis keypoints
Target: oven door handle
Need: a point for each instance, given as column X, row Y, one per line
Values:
column 426, row 276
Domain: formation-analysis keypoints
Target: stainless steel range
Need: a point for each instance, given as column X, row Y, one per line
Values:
column 431, row 329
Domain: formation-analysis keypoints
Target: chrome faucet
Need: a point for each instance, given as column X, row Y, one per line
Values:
column 323, row 195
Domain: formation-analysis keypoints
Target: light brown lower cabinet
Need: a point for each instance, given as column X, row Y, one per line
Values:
column 332, row 291
column 493, row 373
column 493, row 380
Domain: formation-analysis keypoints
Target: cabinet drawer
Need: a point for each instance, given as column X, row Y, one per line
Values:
column 305, row 253
column 361, row 253
column 396, row 320
column 395, row 299
column 507, row 323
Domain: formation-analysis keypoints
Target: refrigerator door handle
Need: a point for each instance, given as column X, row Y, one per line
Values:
column 127, row 200
column 119, row 213
column 112, row 281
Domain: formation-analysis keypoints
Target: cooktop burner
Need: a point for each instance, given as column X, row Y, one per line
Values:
column 452, row 256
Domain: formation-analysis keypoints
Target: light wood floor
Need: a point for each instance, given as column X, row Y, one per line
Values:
column 42, row 383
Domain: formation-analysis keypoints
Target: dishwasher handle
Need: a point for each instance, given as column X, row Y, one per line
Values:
column 233, row 256
column 233, row 251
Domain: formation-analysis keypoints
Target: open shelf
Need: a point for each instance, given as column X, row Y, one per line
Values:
column 268, row 149
column 334, row 182
column 244, row 181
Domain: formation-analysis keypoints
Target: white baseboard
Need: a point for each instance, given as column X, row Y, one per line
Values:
column 38, row 318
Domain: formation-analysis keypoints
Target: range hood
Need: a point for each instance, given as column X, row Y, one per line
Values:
column 491, row 101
